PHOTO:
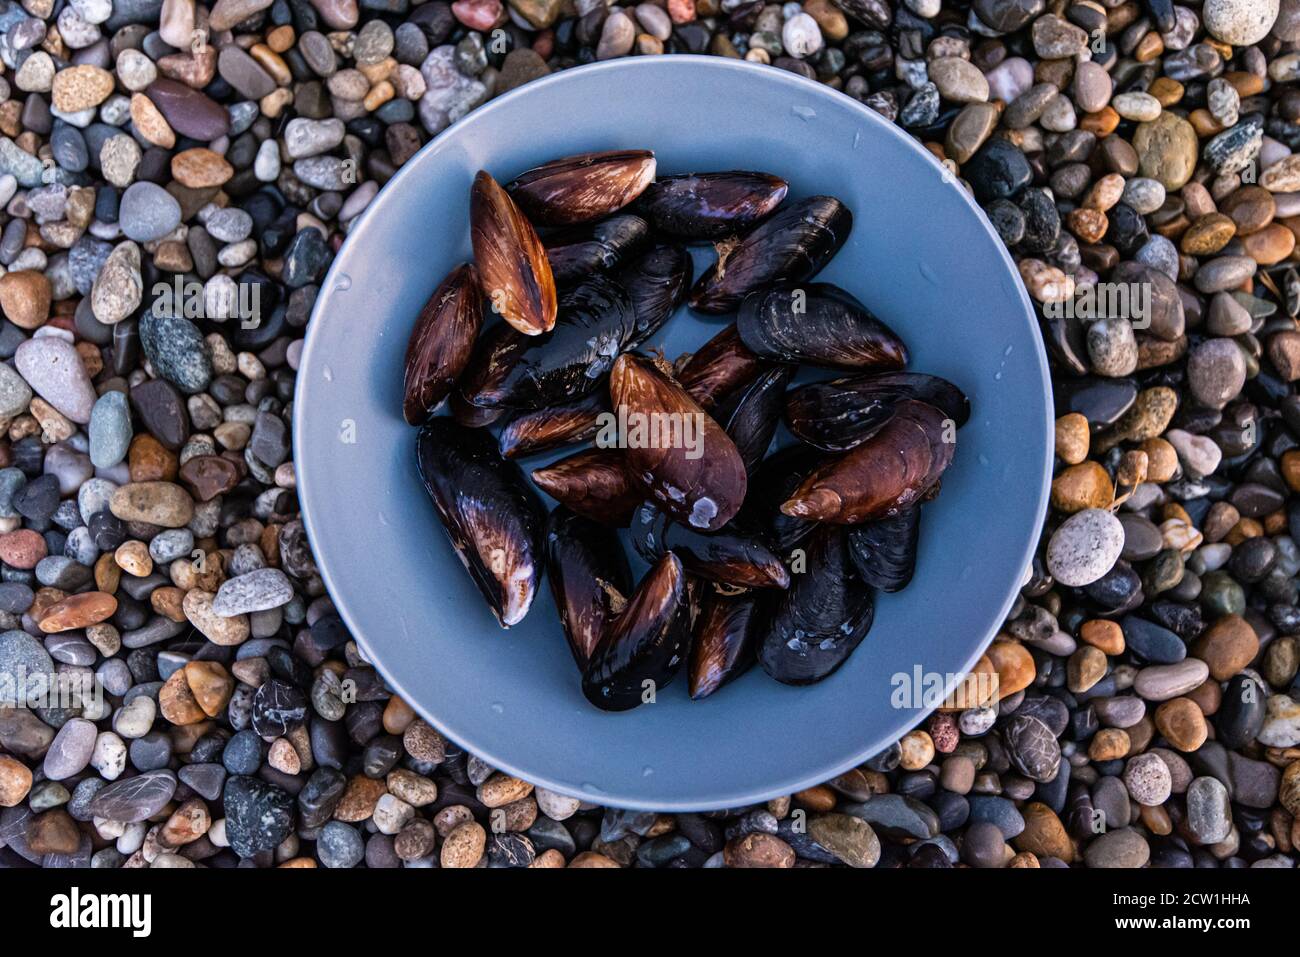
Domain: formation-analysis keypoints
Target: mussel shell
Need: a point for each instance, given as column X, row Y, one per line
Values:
column 821, row 618
column 752, row 414
column 841, row 413
column 889, row 472
column 729, row 556
column 441, row 343
column 718, row 368
column 578, row 189
column 594, row 483
column 540, row 430
column 884, row 551
column 656, row 282
column 771, row 484
column 646, row 643
column 493, row 517
column 470, row 415
column 833, row 329
column 791, row 245
column 533, row 372
column 513, row 271
column 725, row 634
column 589, row 577
column 606, row 246
column 674, row 451
column 711, row 205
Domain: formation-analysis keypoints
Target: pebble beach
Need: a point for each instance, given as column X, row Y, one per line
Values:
column 175, row 180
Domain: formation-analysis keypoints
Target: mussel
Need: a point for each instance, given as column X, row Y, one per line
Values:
column 725, row 633
column 674, row 451
column 818, row 324
column 532, row 372
column 791, row 245
column 470, row 415
column 821, row 618
column 752, row 414
column 884, row 475
column 513, row 270
column 772, row 483
column 718, row 368
column 657, row 282
column 594, row 483
column 578, row 189
column 494, row 519
column 441, row 343
column 841, row 413
column 884, row 551
column 728, row 556
column 542, row 429
column 608, row 245
column 589, row 578
column 643, row 648
column 711, row 205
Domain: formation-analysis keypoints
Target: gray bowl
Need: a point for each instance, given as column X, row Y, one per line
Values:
column 921, row 255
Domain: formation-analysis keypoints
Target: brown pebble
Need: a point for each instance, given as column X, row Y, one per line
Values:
column 1182, row 724
column 1227, row 646
column 758, row 850
column 463, row 846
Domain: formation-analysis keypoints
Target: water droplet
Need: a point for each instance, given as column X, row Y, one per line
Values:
column 804, row 113
column 647, row 771
column 984, row 459
column 344, row 283
column 928, row 274
column 498, row 707
column 383, row 519
column 1008, row 350
column 593, row 788
column 328, row 373
column 998, row 375
column 857, row 138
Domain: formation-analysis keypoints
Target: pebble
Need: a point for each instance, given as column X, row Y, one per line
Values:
column 257, row 590
column 1085, row 547
column 53, row 368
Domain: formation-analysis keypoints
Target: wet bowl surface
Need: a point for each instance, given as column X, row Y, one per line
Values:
column 921, row 256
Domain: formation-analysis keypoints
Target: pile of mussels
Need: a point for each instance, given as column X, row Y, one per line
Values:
column 577, row 302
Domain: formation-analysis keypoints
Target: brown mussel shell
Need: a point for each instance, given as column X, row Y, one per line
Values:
column 842, row 413
column 441, row 343
column 817, row 623
column 728, row 556
column 884, row 551
column 889, row 472
column 533, row 372
column 578, row 189
column 674, row 451
column 606, row 246
column 818, row 324
column 493, row 517
column 718, row 368
column 589, row 576
column 540, row 430
column 644, row 647
column 514, row 272
column 771, row 484
column 594, row 483
column 752, row 414
column 725, row 633
column 791, row 245
column 657, row 282
column 711, row 205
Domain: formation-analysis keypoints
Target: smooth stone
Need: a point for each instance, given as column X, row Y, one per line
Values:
column 1085, row 547
column 53, row 368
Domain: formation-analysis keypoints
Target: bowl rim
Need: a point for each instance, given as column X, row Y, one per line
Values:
column 390, row 193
